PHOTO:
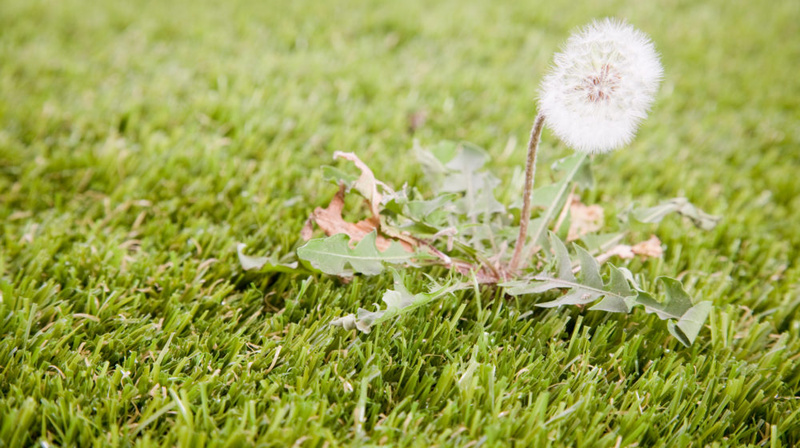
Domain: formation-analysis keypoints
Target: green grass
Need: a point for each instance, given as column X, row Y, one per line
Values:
column 140, row 141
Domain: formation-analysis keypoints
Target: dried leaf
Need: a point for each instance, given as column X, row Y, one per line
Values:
column 416, row 120
column 308, row 229
column 366, row 184
column 330, row 220
column 650, row 248
column 623, row 251
column 584, row 219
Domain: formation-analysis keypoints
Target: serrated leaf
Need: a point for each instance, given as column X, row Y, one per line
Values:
column 617, row 298
column 350, row 322
column 689, row 325
column 614, row 304
column 420, row 210
column 433, row 161
column 522, row 287
column 468, row 158
column 618, row 283
column 590, row 271
column 266, row 264
column 678, row 306
column 681, row 206
column 463, row 169
column 624, row 297
column 479, row 198
column 338, row 177
column 577, row 295
column 676, row 303
column 564, row 264
column 398, row 300
column 333, row 255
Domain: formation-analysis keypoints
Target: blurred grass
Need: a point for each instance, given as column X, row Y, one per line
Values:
column 139, row 142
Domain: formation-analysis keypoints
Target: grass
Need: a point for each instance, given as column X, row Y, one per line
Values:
column 139, row 142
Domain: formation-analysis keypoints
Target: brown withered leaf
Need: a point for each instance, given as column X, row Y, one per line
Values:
column 584, row 219
column 366, row 184
column 416, row 120
column 650, row 248
column 307, row 232
column 330, row 220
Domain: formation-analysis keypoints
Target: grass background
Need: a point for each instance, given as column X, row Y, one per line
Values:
column 140, row 141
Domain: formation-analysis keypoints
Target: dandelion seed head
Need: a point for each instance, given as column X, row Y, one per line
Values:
column 601, row 86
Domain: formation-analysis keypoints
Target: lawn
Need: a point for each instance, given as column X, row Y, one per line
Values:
column 141, row 141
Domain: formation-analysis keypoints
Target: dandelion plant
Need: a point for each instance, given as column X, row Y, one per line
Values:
column 598, row 91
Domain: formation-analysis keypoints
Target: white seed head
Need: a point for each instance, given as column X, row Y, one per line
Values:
column 601, row 86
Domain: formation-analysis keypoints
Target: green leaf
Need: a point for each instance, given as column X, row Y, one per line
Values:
column 582, row 171
column 690, row 324
column 601, row 242
column 398, row 301
column 623, row 297
column 589, row 289
column 479, row 198
column 590, row 271
column 677, row 301
column 468, row 158
column 682, row 206
column 618, row 296
column 573, row 167
column 677, row 306
column 265, row 264
column 420, row 210
column 338, row 177
column 333, row 255
column 562, row 259
column 545, row 196
column 433, row 161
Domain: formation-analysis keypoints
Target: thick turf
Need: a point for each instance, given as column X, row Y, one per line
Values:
column 140, row 141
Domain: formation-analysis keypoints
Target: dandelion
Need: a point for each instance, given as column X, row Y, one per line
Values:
column 601, row 86
column 599, row 89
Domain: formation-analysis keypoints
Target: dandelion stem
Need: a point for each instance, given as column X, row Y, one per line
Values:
column 530, row 170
